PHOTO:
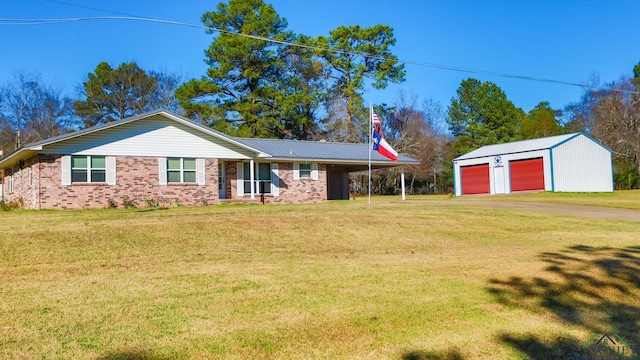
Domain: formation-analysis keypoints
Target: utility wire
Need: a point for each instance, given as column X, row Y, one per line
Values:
column 23, row 22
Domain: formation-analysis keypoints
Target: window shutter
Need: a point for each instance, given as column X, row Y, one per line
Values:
column 162, row 171
column 314, row 171
column 200, row 172
column 275, row 181
column 66, row 170
column 296, row 171
column 240, row 179
column 111, row 170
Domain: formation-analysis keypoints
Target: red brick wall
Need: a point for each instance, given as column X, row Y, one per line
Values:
column 302, row 190
column 136, row 182
column 25, row 183
column 291, row 191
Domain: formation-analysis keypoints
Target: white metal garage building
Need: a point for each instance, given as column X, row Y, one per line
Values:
column 564, row 163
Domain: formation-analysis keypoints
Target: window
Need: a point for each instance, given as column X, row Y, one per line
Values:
column 88, row 169
column 181, row 170
column 262, row 178
column 305, row 171
column 308, row 171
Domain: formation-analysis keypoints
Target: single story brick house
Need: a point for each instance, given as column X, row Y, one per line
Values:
column 165, row 158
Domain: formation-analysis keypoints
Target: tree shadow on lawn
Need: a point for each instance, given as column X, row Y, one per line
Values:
column 596, row 289
column 133, row 355
column 452, row 354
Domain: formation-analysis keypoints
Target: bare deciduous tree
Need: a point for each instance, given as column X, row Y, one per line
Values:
column 31, row 111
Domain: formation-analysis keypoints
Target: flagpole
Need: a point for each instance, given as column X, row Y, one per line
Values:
column 370, row 120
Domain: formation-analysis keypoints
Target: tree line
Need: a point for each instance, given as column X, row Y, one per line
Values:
column 264, row 80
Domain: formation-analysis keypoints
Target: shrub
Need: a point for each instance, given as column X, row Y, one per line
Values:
column 128, row 204
column 152, row 203
column 111, row 204
column 11, row 205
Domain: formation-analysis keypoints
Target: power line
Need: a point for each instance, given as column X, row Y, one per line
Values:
column 24, row 22
column 87, row 7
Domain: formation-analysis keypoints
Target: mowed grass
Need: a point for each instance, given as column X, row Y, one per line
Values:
column 336, row 280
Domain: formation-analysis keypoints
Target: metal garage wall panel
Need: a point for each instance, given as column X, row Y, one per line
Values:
column 527, row 174
column 582, row 165
column 475, row 179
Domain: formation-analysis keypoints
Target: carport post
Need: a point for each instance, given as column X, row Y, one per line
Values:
column 402, row 182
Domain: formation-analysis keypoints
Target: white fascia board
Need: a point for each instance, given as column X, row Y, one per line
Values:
column 347, row 162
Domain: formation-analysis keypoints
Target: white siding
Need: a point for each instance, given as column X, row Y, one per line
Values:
column 581, row 165
column 154, row 137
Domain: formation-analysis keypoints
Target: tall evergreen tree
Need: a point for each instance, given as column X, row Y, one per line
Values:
column 352, row 56
column 541, row 121
column 480, row 115
column 244, row 82
column 114, row 94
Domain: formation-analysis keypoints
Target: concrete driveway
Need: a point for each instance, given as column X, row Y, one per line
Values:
column 597, row 212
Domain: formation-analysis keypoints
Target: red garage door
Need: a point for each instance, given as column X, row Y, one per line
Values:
column 527, row 174
column 475, row 179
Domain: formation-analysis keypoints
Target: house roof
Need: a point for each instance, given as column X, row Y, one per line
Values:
column 518, row 146
column 297, row 150
column 274, row 149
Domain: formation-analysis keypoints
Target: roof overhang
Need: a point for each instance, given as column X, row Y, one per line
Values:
column 15, row 157
column 350, row 165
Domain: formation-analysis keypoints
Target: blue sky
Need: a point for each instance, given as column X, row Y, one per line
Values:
column 565, row 41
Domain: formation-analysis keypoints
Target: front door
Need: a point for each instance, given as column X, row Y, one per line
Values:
column 222, row 183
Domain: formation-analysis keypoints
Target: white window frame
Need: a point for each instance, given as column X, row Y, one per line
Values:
column 89, row 169
column 305, row 170
column 163, row 171
column 181, row 170
column 110, row 171
column 243, row 178
column 297, row 173
column 257, row 181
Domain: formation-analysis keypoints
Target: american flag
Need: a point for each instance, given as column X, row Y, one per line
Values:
column 376, row 123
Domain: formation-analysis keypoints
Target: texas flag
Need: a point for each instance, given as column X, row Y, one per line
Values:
column 381, row 146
